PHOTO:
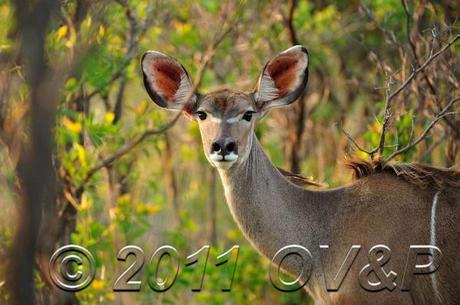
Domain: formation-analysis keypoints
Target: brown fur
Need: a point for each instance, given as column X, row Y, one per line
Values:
column 423, row 176
column 223, row 100
column 298, row 179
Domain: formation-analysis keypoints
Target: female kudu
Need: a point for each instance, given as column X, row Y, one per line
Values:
column 397, row 206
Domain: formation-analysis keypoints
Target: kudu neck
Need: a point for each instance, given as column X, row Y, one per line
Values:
column 271, row 211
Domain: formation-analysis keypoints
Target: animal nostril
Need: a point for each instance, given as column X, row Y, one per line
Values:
column 215, row 147
column 230, row 147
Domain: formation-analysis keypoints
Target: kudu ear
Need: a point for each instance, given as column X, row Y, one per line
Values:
column 283, row 79
column 167, row 82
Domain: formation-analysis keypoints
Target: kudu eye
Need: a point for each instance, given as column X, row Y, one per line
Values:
column 248, row 116
column 202, row 115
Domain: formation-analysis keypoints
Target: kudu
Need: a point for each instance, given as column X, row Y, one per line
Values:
column 397, row 206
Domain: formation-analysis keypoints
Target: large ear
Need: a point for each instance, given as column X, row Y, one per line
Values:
column 167, row 82
column 283, row 79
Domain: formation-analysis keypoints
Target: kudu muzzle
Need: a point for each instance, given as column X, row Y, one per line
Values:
column 224, row 149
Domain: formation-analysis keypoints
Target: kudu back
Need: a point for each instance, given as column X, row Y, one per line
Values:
column 397, row 206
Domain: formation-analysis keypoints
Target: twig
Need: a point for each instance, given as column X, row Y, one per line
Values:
column 354, row 142
column 391, row 37
column 391, row 96
column 386, row 118
column 136, row 32
column 413, row 46
column 438, row 117
column 298, row 112
column 289, row 22
column 124, row 150
column 423, row 66
column 207, row 56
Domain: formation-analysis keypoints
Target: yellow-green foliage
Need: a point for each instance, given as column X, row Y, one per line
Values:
column 130, row 202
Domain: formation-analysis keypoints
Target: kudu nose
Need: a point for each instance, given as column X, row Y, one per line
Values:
column 216, row 148
column 223, row 147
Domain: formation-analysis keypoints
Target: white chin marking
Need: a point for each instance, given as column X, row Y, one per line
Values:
column 231, row 157
column 216, row 157
column 224, row 165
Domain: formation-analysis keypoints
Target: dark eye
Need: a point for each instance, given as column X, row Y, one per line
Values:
column 202, row 115
column 248, row 116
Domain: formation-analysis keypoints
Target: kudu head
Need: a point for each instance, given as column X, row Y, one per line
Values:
column 226, row 118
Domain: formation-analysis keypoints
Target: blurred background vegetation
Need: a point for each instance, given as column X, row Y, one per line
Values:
column 116, row 181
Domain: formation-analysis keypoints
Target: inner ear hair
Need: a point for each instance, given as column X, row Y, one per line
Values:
column 166, row 81
column 283, row 78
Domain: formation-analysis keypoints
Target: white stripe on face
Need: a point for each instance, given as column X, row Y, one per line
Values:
column 230, row 120
column 233, row 120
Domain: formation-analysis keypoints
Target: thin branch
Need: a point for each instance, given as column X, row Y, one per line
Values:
column 354, row 142
column 423, row 66
column 136, row 31
column 386, row 118
column 408, row 31
column 436, row 119
column 209, row 54
column 298, row 113
column 390, row 96
column 205, row 60
column 413, row 46
column 289, row 22
column 125, row 149
column 391, row 37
